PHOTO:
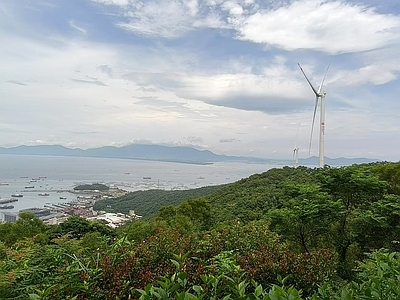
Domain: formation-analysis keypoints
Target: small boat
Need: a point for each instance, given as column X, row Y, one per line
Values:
column 9, row 200
column 127, row 173
column 3, row 183
column 30, row 187
column 6, row 206
column 63, row 198
column 146, row 177
column 17, row 195
column 43, row 194
column 200, row 177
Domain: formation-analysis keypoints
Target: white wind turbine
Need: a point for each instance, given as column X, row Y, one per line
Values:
column 296, row 149
column 296, row 156
column 319, row 94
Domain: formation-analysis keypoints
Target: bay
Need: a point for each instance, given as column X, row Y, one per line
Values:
column 56, row 175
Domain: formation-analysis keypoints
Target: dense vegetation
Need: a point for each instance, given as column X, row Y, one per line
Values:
column 147, row 203
column 92, row 187
column 284, row 234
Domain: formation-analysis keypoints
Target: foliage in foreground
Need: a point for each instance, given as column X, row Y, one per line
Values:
column 284, row 234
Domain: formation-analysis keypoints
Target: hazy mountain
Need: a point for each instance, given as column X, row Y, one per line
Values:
column 133, row 151
column 166, row 153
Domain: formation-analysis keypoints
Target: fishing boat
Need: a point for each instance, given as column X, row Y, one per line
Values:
column 17, row 195
column 6, row 206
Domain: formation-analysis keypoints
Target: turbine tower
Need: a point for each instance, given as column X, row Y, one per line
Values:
column 296, row 156
column 296, row 149
column 319, row 94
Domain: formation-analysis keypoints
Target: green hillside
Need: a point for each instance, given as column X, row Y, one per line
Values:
column 147, row 203
column 250, row 198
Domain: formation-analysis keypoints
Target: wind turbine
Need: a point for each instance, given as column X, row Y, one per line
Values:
column 296, row 149
column 296, row 156
column 319, row 94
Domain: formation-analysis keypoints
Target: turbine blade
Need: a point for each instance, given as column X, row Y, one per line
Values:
column 322, row 83
column 302, row 71
column 313, row 122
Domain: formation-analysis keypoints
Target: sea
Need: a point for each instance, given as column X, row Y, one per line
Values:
column 46, row 180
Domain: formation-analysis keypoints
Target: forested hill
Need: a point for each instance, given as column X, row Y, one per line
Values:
column 250, row 198
column 346, row 208
column 147, row 203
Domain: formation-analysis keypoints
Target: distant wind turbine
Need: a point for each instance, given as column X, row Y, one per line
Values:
column 296, row 157
column 319, row 94
column 296, row 149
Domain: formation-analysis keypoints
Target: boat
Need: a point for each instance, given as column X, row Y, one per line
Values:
column 17, row 195
column 8, row 200
column 6, row 206
column 63, row 198
column 127, row 173
column 200, row 177
column 3, row 183
column 146, row 177
column 43, row 194
column 30, row 187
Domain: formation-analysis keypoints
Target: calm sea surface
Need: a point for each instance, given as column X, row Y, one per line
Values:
column 56, row 175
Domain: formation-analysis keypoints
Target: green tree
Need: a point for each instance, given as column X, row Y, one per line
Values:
column 390, row 172
column 356, row 188
column 27, row 225
column 77, row 227
column 306, row 217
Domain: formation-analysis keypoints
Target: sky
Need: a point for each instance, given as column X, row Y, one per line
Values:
column 212, row 74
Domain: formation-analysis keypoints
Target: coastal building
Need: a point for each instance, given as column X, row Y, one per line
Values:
column 115, row 220
column 8, row 217
column 38, row 212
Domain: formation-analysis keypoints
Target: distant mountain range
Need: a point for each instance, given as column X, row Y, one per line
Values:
column 182, row 154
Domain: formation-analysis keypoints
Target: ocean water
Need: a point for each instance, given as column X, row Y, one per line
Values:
column 56, row 175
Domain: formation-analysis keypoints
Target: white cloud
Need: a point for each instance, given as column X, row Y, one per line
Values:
column 327, row 26
column 73, row 25
column 113, row 2
column 168, row 19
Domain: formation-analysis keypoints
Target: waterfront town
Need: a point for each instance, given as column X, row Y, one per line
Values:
column 53, row 214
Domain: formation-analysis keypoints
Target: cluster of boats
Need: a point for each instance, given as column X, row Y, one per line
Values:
column 6, row 206
column 6, row 201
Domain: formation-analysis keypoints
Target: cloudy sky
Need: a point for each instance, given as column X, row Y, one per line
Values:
column 217, row 75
